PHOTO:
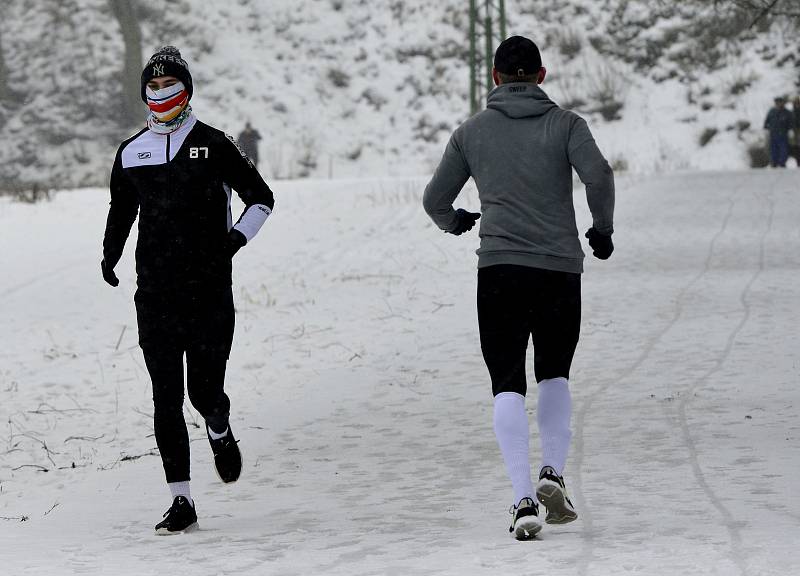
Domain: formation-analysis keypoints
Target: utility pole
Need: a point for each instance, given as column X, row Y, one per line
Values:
column 487, row 28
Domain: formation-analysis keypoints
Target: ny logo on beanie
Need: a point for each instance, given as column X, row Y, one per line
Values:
column 158, row 70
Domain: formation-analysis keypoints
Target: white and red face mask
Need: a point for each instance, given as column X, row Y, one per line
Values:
column 167, row 103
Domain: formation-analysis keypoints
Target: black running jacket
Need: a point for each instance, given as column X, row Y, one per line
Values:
column 180, row 186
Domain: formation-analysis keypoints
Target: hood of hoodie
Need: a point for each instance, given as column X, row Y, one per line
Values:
column 519, row 100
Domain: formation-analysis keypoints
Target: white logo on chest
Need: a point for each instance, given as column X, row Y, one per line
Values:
column 196, row 152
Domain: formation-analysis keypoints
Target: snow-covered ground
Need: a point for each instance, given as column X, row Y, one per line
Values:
column 364, row 407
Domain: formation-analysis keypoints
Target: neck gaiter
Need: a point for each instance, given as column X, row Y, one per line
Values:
column 169, row 108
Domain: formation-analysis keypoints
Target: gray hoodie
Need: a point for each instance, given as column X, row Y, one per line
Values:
column 520, row 152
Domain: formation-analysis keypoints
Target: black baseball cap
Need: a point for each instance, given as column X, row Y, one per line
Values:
column 517, row 56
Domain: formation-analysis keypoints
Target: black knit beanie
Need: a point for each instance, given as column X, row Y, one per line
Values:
column 167, row 62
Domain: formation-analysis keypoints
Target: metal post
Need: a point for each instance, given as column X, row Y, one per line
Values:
column 503, row 20
column 492, row 25
column 473, row 59
column 489, row 55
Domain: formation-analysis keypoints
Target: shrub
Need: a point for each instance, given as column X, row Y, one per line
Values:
column 606, row 89
column 574, row 104
column 339, row 78
column 355, row 153
column 306, row 156
column 740, row 86
column 569, row 44
column 707, row 135
column 610, row 110
column 30, row 194
column 428, row 131
column 571, row 94
column 759, row 156
column 619, row 164
column 374, row 98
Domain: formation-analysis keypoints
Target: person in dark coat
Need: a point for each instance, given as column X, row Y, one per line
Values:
column 177, row 175
column 779, row 122
column 248, row 140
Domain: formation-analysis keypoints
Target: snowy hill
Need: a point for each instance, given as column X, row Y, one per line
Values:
column 354, row 88
column 364, row 407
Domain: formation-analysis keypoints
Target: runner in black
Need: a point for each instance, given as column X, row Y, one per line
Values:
column 177, row 175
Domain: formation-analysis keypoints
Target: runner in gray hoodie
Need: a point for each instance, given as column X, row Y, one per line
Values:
column 521, row 151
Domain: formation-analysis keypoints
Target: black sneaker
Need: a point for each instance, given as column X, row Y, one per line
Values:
column 552, row 494
column 180, row 517
column 227, row 458
column 525, row 523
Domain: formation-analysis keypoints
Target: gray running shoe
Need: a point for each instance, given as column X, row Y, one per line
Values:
column 525, row 523
column 552, row 494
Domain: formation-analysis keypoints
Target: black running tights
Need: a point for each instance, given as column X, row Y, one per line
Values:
column 200, row 326
column 516, row 303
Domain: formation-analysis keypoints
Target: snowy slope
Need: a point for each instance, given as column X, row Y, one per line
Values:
column 345, row 88
column 364, row 407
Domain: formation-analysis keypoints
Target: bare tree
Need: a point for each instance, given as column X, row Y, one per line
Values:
column 6, row 93
column 125, row 13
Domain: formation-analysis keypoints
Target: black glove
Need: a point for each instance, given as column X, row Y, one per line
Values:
column 466, row 220
column 601, row 244
column 108, row 274
column 235, row 241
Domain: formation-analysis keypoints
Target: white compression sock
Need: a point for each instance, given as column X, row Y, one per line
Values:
column 511, row 429
column 180, row 489
column 553, row 415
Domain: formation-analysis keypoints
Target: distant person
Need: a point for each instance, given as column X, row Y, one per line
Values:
column 248, row 140
column 177, row 174
column 796, row 114
column 779, row 122
column 521, row 151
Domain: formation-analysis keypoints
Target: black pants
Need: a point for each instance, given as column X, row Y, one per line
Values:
column 517, row 302
column 198, row 324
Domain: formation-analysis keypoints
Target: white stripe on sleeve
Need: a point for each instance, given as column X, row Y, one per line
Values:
column 252, row 220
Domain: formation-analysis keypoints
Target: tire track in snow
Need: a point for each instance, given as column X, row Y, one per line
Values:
column 587, row 553
column 49, row 275
column 686, row 433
